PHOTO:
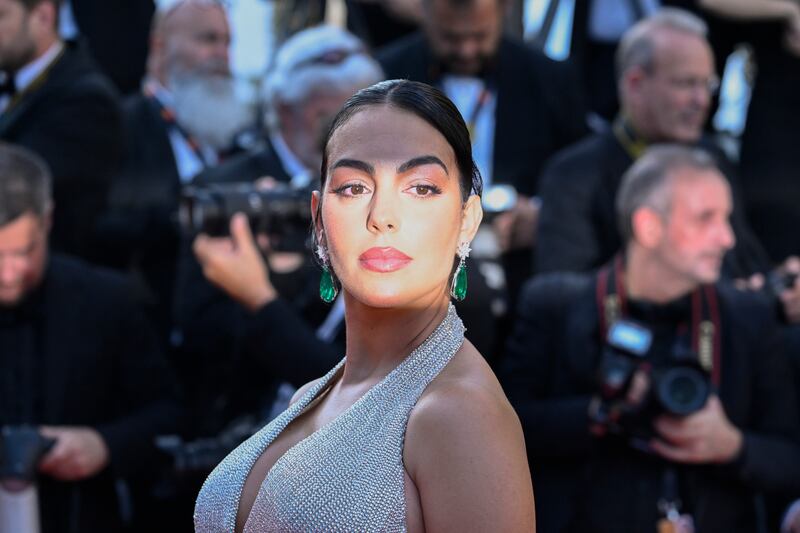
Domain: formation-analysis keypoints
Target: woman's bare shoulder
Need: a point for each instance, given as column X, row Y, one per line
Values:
column 468, row 374
column 465, row 389
column 464, row 433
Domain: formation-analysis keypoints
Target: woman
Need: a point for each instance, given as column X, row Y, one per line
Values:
column 411, row 431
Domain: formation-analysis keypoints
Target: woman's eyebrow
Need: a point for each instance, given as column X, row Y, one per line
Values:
column 420, row 161
column 356, row 164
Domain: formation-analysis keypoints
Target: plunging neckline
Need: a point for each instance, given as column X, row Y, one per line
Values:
column 324, row 387
column 395, row 395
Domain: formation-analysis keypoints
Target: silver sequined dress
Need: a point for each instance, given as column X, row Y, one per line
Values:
column 349, row 474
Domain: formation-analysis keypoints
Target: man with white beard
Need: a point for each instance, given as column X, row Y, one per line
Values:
column 185, row 118
column 189, row 83
column 314, row 72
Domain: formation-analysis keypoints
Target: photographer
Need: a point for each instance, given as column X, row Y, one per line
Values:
column 248, row 323
column 185, row 119
column 520, row 107
column 666, row 80
column 616, row 442
column 78, row 361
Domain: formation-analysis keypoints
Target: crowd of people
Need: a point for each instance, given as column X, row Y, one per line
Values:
column 636, row 290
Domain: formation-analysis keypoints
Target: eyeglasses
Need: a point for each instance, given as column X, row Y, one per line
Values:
column 691, row 83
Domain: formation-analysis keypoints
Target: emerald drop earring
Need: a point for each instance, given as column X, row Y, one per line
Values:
column 327, row 287
column 458, row 288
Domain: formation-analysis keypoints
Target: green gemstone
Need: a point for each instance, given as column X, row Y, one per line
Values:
column 327, row 291
column 460, row 287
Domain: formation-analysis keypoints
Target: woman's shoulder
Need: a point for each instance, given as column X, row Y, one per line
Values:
column 464, row 398
column 465, row 452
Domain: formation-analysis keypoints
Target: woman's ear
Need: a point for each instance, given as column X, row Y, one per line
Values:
column 471, row 217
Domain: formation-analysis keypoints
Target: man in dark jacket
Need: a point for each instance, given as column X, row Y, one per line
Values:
column 613, row 447
column 181, row 123
column 520, row 106
column 666, row 80
column 78, row 359
column 57, row 103
column 315, row 71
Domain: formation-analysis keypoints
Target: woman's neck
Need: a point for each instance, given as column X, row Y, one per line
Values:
column 379, row 339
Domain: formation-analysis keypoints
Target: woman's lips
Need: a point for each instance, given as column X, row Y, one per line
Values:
column 384, row 259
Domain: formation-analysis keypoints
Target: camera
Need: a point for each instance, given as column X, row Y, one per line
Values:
column 281, row 212
column 203, row 454
column 677, row 383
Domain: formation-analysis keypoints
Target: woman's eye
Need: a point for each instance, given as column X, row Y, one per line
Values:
column 352, row 189
column 425, row 190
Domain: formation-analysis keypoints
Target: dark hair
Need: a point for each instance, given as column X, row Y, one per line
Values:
column 429, row 104
column 24, row 184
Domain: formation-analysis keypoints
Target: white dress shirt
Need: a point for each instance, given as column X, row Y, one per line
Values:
column 28, row 74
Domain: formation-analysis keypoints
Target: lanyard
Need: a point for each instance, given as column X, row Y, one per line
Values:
column 632, row 144
column 612, row 304
column 483, row 97
column 168, row 116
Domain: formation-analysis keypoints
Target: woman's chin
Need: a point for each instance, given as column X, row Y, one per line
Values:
column 388, row 296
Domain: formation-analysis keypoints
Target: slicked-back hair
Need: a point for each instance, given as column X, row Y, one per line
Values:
column 637, row 47
column 427, row 103
column 25, row 184
column 648, row 183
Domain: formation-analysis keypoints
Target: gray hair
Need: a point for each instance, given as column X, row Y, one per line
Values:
column 648, row 183
column 25, row 184
column 637, row 47
column 320, row 58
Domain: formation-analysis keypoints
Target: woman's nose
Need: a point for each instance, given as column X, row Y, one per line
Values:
column 383, row 213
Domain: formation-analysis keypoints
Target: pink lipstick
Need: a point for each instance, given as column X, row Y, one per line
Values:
column 386, row 259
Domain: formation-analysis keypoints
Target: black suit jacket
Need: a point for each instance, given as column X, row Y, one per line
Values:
column 578, row 223
column 246, row 167
column 148, row 176
column 139, row 231
column 73, row 121
column 99, row 366
column 585, row 483
column 539, row 109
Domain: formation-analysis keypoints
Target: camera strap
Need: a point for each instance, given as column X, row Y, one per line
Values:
column 612, row 300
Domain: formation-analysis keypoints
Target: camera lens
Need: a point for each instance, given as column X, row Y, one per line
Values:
column 682, row 390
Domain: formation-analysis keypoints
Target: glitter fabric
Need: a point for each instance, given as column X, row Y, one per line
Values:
column 349, row 474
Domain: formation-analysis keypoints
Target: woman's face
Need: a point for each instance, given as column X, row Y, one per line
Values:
column 392, row 214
